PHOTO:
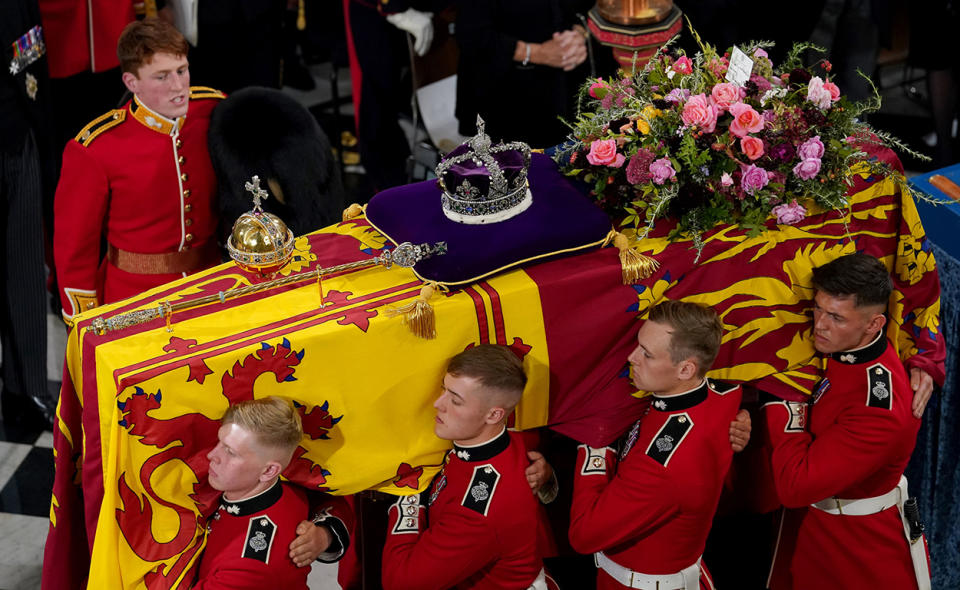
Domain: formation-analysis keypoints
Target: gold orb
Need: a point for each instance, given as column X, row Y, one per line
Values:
column 260, row 242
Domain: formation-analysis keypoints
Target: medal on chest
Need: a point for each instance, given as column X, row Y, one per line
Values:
column 436, row 486
column 820, row 388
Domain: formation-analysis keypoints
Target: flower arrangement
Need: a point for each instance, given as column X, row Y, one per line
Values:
column 678, row 139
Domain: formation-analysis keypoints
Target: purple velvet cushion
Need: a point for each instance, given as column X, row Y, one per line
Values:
column 560, row 219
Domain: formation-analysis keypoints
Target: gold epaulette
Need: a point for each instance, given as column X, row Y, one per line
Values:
column 205, row 92
column 99, row 125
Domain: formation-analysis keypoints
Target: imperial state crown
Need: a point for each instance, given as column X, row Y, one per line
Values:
column 485, row 183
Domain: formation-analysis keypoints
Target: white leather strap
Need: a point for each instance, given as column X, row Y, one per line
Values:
column 859, row 507
column 541, row 582
column 686, row 579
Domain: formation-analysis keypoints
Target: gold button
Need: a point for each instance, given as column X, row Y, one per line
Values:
column 179, row 144
column 186, row 193
column 188, row 237
column 411, row 510
column 91, row 304
column 410, row 523
column 183, row 177
column 187, row 208
column 188, row 222
column 116, row 116
column 180, row 160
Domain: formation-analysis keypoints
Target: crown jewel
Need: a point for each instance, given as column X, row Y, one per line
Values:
column 485, row 183
column 260, row 242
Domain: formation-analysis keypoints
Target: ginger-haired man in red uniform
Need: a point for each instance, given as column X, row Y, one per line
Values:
column 140, row 177
column 259, row 517
column 476, row 525
column 839, row 471
column 645, row 512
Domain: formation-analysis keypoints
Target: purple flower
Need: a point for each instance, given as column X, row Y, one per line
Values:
column 638, row 169
column 783, row 152
column 807, row 169
column 753, row 179
column 662, row 170
column 762, row 83
column 677, row 95
column 812, row 149
column 789, row 213
column 607, row 101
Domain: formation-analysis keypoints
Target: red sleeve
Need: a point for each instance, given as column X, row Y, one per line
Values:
column 607, row 510
column 808, row 469
column 80, row 209
column 439, row 556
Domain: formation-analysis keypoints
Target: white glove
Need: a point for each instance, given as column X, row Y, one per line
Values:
column 419, row 24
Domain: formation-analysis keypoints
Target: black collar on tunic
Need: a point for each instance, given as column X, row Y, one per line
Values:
column 681, row 401
column 254, row 504
column 484, row 451
column 864, row 354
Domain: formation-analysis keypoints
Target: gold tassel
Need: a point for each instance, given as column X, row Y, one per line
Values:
column 301, row 16
column 418, row 314
column 634, row 265
column 354, row 210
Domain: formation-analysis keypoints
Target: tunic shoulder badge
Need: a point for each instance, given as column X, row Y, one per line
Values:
column 482, row 486
column 99, row 125
column 721, row 387
column 668, row 439
column 197, row 92
column 879, row 387
column 260, row 533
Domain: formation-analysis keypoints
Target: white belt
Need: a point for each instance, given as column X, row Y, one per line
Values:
column 541, row 582
column 860, row 507
column 686, row 579
column 895, row 497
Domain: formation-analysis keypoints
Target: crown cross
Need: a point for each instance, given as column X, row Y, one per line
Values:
column 258, row 193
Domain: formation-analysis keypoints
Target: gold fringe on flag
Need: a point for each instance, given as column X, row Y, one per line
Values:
column 418, row 314
column 301, row 16
column 633, row 265
column 354, row 210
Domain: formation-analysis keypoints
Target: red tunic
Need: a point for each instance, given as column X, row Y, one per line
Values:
column 860, row 434
column 477, row 527
column 652, row 512
column 248, row 542
column 82, row 35
column 148, row 189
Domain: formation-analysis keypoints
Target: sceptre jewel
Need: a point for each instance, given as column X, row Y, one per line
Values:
column 485, row 183
column 405, row 255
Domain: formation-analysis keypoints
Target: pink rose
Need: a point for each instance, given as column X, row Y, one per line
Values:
column 812, row 149
column 700, row 111
column 817, row 94
column 726, row 179
column 753, row 179
column 789, row 213
column 662, row 170
column 833, row 89
column 683, row 65
column 598, row 89
column 752, row 147
column 724, row 94
column 745, row 120
column 807, row 169
column 603, row 152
